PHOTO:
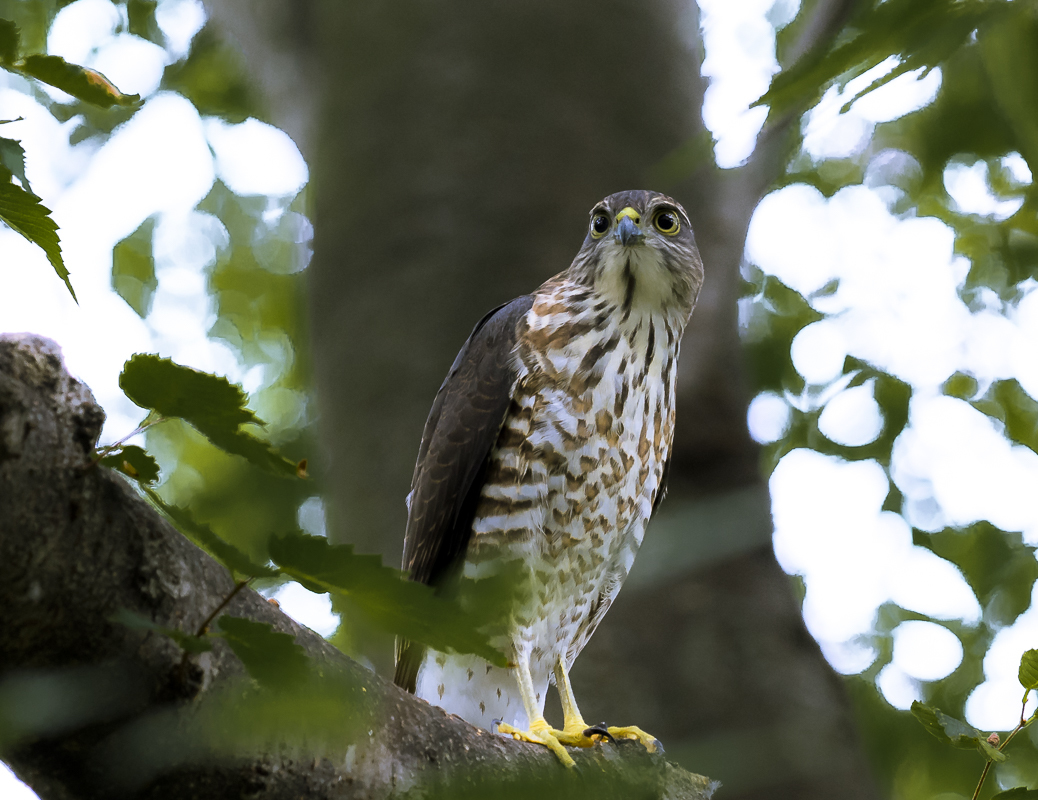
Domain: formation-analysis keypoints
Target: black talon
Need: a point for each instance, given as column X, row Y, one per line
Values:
column 599, row 730
column 495, row 722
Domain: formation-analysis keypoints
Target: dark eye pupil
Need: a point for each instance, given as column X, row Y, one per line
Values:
column 600, row 224
column 665, row 222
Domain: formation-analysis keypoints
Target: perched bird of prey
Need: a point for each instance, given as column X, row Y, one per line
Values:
column 548, row 446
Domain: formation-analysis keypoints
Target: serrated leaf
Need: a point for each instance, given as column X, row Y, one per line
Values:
column 1028, row 672
column 213, row 405
column 24, row 213
column 954, row 732
column 12, row 158
column 1018, row 793
column 133, row 461
column 273, row 659
column 202, row 535
column 186, row 641
column 398, row 605
column 133, row 269
column 9, row 38
column 83, row 83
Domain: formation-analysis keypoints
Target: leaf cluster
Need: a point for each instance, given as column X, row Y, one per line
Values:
column 217, row 408
column 20, row 209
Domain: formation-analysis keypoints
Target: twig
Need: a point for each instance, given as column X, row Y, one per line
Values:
column 101, row 452
column 1024, row 722
column 223, row 604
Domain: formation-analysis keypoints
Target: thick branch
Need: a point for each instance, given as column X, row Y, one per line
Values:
column 77, row 544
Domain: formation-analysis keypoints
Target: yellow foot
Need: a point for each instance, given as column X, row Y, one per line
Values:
column 652, row 744
column 541, row 733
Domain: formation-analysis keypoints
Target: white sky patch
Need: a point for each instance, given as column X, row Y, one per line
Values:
column 818, row 352
column 850, row 657
column 828, row 133
column 51, row 163
column 969, row 186
column 1023, row 346
column 307, row 608
column 767, row 417
column 926, row 651
column 853, row 417
column 256, row 158
column 898, row 688
column 831, row 529
column 739, row 42
column 133, row 64
column 896, row 305
column 311, row 518
column 1017, row 166
column 955, row 467
column 82, row 27
column 11, row 788
column 84, row 33
column 179, row 21
column 995, row 704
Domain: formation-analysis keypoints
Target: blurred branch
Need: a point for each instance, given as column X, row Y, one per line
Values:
column 78, row 545
column 817, row 26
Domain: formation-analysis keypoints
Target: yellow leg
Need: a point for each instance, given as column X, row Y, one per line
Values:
column 540, row 731
column 574, row 725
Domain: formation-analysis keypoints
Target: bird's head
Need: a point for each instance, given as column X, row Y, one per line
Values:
column 640, row 253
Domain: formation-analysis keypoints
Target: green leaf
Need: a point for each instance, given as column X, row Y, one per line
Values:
column 202, row 535
column 141, row 17
column 213, row 405
column 1029, row 670
column 9, row 39
column 1009, row 49
column 12, row 158
column 133, row 269
column 186, row 641
column 24, row 213
column 400, row 606
column 1018, row 793
column 955, row 732
column 82, row 83
column 920, row 34
column 1008, row 402
column 273, row 659
column 133, row 461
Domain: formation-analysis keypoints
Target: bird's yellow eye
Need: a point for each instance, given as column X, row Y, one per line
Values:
column 666, row 222
column 599, row 226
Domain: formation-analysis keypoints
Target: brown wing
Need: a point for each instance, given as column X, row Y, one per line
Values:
column 463, row 425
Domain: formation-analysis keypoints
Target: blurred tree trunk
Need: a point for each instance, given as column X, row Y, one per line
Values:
column 455, row 150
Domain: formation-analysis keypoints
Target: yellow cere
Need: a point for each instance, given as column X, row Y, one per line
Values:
column 629, row 212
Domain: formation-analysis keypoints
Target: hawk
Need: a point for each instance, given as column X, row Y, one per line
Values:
column 548, row 445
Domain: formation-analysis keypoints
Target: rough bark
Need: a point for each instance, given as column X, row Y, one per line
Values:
column 77, row 544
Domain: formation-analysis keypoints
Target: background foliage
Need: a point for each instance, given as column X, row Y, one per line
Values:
column 986, row 109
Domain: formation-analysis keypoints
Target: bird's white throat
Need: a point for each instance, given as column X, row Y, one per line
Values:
column 635, row 278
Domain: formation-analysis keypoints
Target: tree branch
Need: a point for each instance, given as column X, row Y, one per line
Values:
column 77, row 544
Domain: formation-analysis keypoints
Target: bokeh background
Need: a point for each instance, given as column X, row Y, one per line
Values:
column 318, row 200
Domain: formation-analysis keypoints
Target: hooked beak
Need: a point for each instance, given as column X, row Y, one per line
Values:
column 627, row 232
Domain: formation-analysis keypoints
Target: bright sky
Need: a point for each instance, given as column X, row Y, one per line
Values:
column 897, row 306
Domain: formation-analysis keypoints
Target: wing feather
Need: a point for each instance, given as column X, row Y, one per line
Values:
column 462, row 428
